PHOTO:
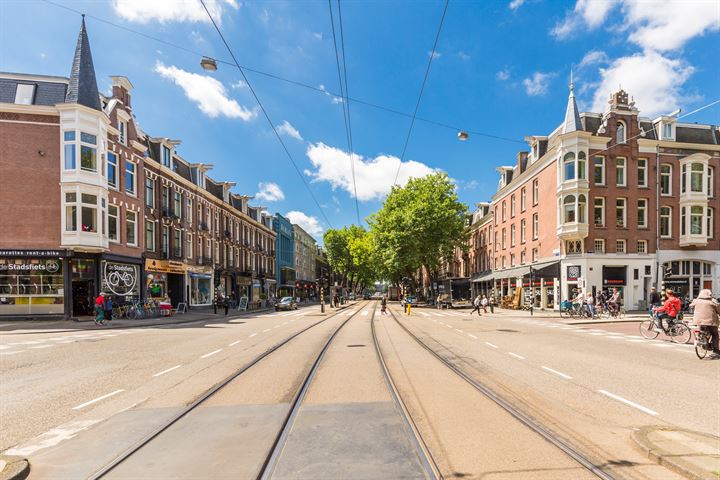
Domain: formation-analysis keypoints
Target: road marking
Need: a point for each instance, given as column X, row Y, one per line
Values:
column 234, row 343
column 250, row 336
column 424, row 314
column 42, row 346
column 211, row 353
column 266, row 330
column 636, row 336
column 596, row 333
column 11, row 353
column 83, row 405
column 661, row 345
column 628, row 402
column 615, row 333
column 4, row 347
column 168, row 370
column 448, row 325
column 458, row 330
column 52, row 437
column 364, row 313
column 276, row 326
column 491, row 345
column 471, row 335
column 560, row 374
column 519, row 357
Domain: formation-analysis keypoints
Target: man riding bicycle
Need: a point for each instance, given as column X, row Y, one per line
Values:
column 669, row 310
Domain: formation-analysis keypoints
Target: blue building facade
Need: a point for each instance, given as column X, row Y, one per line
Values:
column 284, row 256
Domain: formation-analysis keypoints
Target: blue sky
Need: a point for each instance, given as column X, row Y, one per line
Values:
column 501, row 68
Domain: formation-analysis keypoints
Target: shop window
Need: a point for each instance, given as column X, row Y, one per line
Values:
column 696, row 220
column 88, row 212
column 666, row 179
column 536, row 192
column 112, row 169
column 620, row 177
column 599, row 211
column 599, row 170
column 620, row 246
column 149, row 236
column 71, row 212
column 620, row 205
column 648, row 269
column 522, row 230
column 131, row 227
column 696, row 268
column 710, row 222
column 642, row 172
column 620, row 134
column 569, row 209
column 569, row 166
column 696, row 177
column 536, row 225
column 113, row 221
column 523, row 199
column 642, row 246
column 665, row 222
column 636, row 274
column 642, row 213
column 149, row 192
column 706, row 268
column 130, row 177
column 599, row 245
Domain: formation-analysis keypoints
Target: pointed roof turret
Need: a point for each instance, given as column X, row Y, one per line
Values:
column 82, row 88
column 572, row 115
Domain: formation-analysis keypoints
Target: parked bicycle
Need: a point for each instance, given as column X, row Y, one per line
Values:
column 677, row 329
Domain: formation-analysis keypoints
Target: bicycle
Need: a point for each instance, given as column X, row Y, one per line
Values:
column 703, row 342
column 677, row 329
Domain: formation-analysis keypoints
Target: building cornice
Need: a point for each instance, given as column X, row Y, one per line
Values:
column 647, row 142
column 29, row 109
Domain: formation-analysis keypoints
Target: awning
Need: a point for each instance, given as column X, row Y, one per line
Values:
column 199, row 275
column 512, row 272
column 486, row 277
column 546, row 270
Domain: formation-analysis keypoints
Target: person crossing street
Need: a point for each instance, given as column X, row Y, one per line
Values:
column 476, row 305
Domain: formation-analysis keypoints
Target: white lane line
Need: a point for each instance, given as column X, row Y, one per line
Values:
column 615, row 334
column 661, row 345
column 364, row 313
column 11, row 353
column 636, row 336
column 167, row 371
column 424, row 314
column 491, row 345
column 471, row 335
column 4, row 347
column 458, row 330
column 266, row 330
column 276, row 326
column 596, row 333
column 234, row 343
column 42, row 346
column 628, row 402
column 83, row 405
column 519, row 357
column 559, row 374
column 634, row 340
column 211, row 353
column 250, row 336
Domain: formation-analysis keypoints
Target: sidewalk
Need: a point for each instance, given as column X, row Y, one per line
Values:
column 692, row 454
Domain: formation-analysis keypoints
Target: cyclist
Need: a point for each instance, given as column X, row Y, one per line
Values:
column 706, row 316
column 590, row 304
column 579, row 302
column 614, row 301
column 669, row 310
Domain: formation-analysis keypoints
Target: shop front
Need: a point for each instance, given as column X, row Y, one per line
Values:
column 34, row 283
column 612, row 278
column 688, row 277
column 244, row 287
column 198, row 286
column 165, row 280
column 539, row 285
column 120, row 277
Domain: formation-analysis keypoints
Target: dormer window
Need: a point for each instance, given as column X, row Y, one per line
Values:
column 621, row 134
column 24, row 94
column 667, row 131
column 166, row 156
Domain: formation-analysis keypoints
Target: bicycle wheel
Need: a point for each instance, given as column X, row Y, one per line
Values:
column 564, row 313
column 680, row 333
column 647, row 329
column 700, row 344
column 621, row 313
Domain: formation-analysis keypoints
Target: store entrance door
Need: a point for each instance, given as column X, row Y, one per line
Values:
column 83, row 297
column 176, row 288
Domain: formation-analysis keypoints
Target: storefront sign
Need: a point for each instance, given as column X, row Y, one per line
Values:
column 573, row 272
column 166, row 266
column 120, row 278
column 677, row 281
column 29, row 267
column 33, row 253
column 614, row 276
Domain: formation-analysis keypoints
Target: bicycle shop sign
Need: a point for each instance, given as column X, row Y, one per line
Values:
column 120, row 278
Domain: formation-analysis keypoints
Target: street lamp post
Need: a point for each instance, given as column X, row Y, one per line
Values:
column 532, row 291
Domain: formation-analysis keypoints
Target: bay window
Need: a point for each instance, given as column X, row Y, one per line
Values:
column 696, row 177
column 582, row 206
column 581, row 166
column 71, row 212
column 88, row 152
column 69, row 150
column 88, row 212
column 569, row 166
column 696, row 220
column 569, row 209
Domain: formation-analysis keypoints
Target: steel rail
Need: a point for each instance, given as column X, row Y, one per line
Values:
column 426, row 458
column 271, row 460
column 189, row 408
column 524, row 418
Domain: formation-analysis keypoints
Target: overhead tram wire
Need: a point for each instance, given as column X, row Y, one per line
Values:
column 282, row 79
column 265, row 113
column 422, row 89
column 346, row 113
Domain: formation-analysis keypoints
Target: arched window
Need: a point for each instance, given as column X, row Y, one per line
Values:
column 620, row 136
column 569, row 209
column 582, row 204
column 569, row 166
column 581, row 166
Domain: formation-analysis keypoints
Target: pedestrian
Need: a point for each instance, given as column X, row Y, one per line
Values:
column 476, row 305
column 590, row 304
column 492, row 303
column 108, row 306
column 484, row 303
column 99, row 311
column 383, row 305
column 226, row 304
column 706, row 314
column 653, row 299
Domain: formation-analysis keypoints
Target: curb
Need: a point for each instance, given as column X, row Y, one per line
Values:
column 668, row 459
column 14, row 468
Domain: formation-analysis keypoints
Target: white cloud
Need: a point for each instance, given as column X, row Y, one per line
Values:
column 653, row 80
column 334, row 98
column 208, row 93
column 593, row 57
column 538, row 84
column 373, row 176
column 287, row 129
column 503, row 74
column 587, row 13
column 239, row 84
column 318, row 35
column 515, row 4
column 197, row 37
column 269, row 192
column 435, row 55
column 464, row 56
column 166, row 11
column 308, row 223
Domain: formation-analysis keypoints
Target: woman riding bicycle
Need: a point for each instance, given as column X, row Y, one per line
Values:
column 669, row 310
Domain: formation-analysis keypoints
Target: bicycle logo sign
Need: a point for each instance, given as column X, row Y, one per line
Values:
column 120, row 279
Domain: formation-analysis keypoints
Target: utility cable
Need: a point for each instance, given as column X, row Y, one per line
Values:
column 422, row 89
column 265, row 113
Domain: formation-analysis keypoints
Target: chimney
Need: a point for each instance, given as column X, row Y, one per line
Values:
column 121, row 88
column 522, row 158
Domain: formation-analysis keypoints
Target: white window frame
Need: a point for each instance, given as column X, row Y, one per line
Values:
column 69, row 206
column 536, row 191
column 644, row 245
column 621, row 167
column 523, row 199
column 621, row 139
column 166, row 156
column 150, row 199
column 132, row 193
column 642, row 205
column 189, row 209
column 710, row 181
column 620, row 245
column 669, row 221
column 133, row 222
column 188, row 245
column 112, row 185
column 534, row 255
column 116, row 216
column 23, row 96
column 602, row 169
column 599, row 245
column 536, row 226
column 595, row 206
column 642, row 172
column 522, row 257
column 123, row 133
column 504, row 211
column 92, row 146
column 512, row 206
column 710, row 217
column 523, row 228
column 512, row 235
column 669, row 182
column 624, row 212
column 150, row 247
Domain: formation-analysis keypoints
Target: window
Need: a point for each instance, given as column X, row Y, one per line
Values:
column 503, row 261
column 599, row 211
column 620, row 246
column 642, row 213
column 69, row 150
column 683, row 178
column 165, row 240
column 131, row 227
column 189, row 245
column 696, row 220
column 177, row 204
column 710, row 178
column 177, row 243
column 189, row 210
column 599, row 170
column 165, row 199
column 642, row 172
column 710, row 222
column 88, row 152
column 573, row 247
column 504, row 238
column 582, row 161
column 582, row 206
column 122, row 128
column 599, row 245
column 496, row 241
column 682, row 221
column 569, row 166
column 666, row 179
column 71, row 212
column 535, row 226
column 130, row 177
column 149, row 192
column 166, row 156
column 696, row 177
column 523, row 199
column 667, row 131
column 535, row 191
column 534, row 254
column 665, row 221
column 642, row 246
column 620, row 179
column 495, row 215
column 113, row 223
column 503, row 211
column 88, row 212
column 112, row 169
column 522, row 230
column 512, row 206
column 512, row 259
column 522, row 257
column 149, row 236
column 512, row 235
column 620, row 204
column 24, row 94
column 620, row 136
column 569, row 209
